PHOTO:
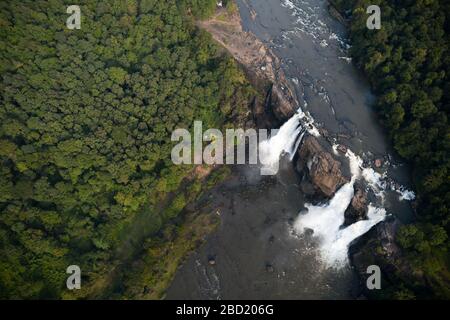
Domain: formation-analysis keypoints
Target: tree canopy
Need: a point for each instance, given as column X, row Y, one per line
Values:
column 85, row 124
column 408, row 64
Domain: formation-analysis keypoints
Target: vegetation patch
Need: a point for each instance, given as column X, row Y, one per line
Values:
column 408, row 64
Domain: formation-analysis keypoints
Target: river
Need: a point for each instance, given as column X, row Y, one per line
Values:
column 257, row 249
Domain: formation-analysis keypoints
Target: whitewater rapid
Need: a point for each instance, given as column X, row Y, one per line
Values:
column 256, row 229
column 326, row 220
column 284, row 141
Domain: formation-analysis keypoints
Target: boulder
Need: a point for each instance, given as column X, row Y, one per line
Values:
column 320, row 168
column 275, row 110
column 378, row 247
column 378, row 163
column 282, row 104
column 386, row 233
column 307, row 187
column 212, row 260
column 358, row 207
column 342, row 149
column 263, row 115
column 269, row 268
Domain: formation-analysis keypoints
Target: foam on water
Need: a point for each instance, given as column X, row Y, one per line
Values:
column 308, row 22
column 326, row 220
column 406, row 194
column 286, row 140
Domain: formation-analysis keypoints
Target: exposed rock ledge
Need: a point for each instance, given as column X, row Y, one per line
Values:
column 261, row 65
column 335, row 13
column 379, row 247
column 358, row 207
column 321, row 172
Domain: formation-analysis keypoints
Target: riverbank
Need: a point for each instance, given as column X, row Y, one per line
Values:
column 86, row 142
column 415, row 257
column 262, row 67
column 254, row 255
column 311, row 58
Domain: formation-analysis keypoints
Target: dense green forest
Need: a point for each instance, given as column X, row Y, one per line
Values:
column 85, row 124
column 408, row 64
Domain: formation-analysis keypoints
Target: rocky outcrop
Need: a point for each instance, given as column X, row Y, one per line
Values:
column 319, row 169
column 378, row 163
column 335, row 13
column 273, row 111
column 262, row 67
column 282, row 103
column 358, row 207
column 378, row 247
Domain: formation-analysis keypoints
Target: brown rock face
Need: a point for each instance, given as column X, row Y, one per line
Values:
column 358, row 207
column 282, row 104
column 320, row 167
column 262, row 66
column 378, row 247
column 274, row 110
column 342, row 149
column 378, row 163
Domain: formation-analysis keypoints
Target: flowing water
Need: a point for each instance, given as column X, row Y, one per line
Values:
column 271, row 243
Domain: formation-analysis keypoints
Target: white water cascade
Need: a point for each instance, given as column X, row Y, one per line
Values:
column 286, row 140
column 326, row 221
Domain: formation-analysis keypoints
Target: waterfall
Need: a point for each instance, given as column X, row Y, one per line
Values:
column 326, row 220
column 285, row 141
